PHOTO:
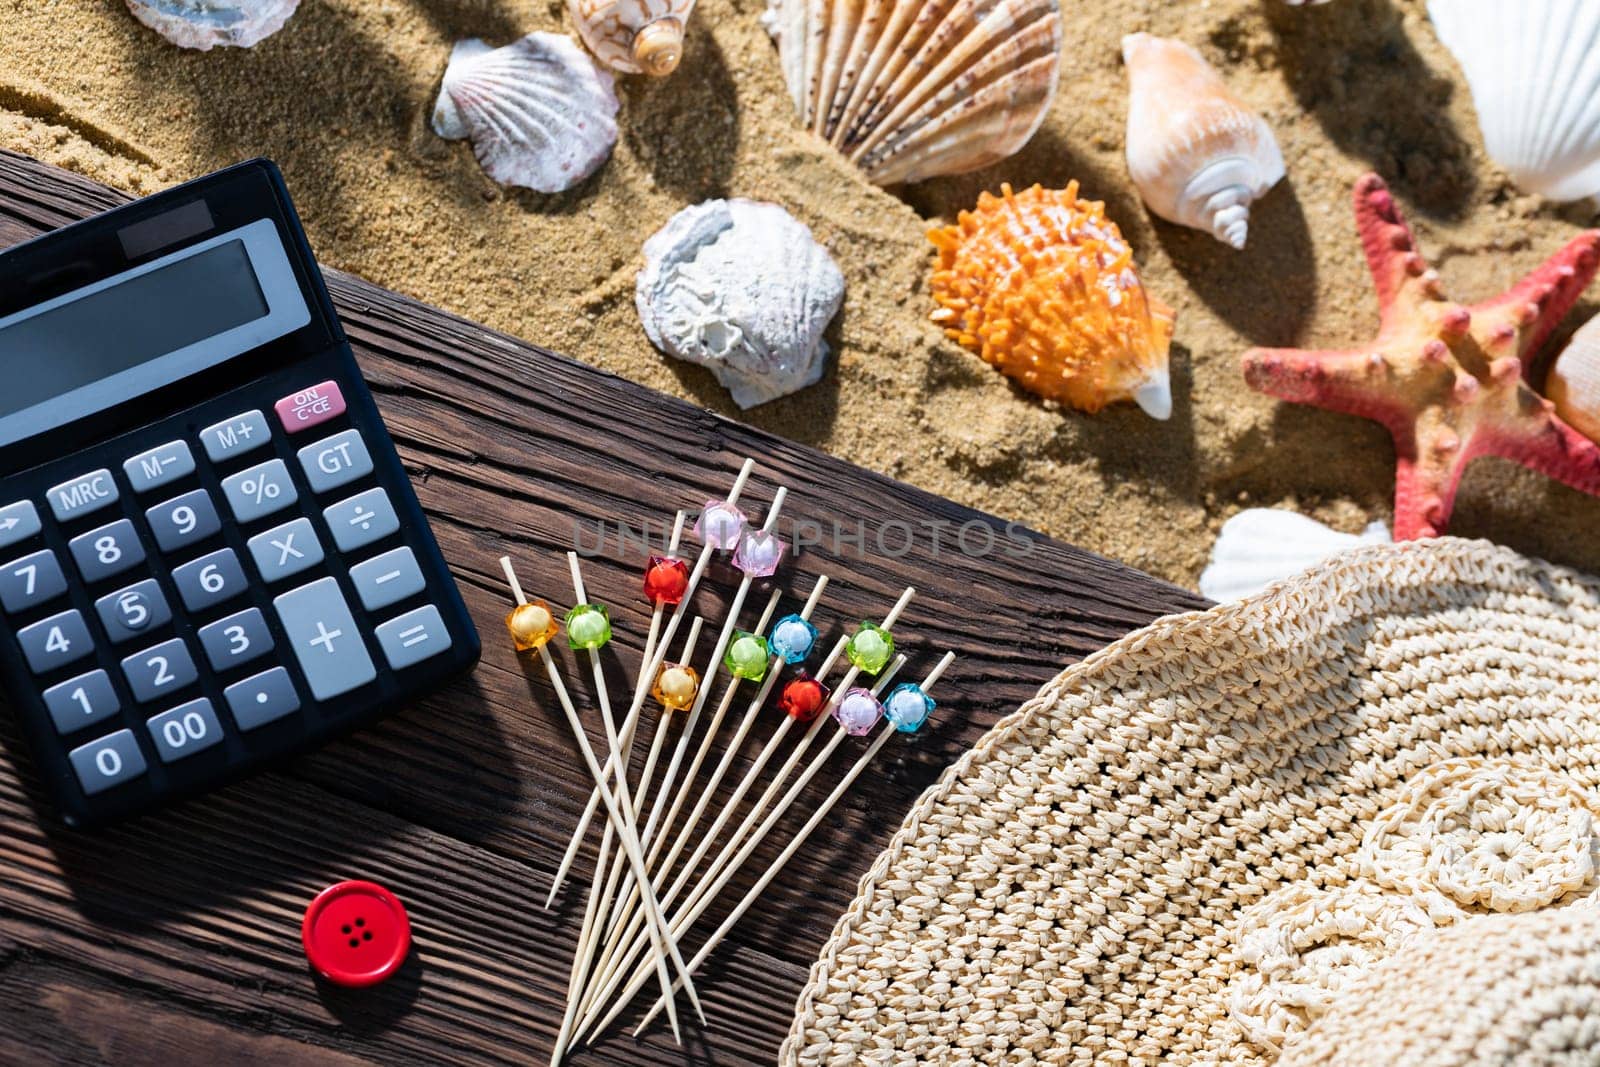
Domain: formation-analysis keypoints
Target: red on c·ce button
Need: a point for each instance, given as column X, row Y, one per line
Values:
column 356, row 934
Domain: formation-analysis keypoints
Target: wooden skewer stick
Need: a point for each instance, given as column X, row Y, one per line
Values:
column 613, row 808
column 799, row 838
column 651, row 665
column 705, row 894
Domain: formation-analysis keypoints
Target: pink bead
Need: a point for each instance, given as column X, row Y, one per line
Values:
column 858, row 711
column 719, row 524
column 758, row 553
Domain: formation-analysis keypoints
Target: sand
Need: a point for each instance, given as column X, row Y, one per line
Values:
column 340, row 98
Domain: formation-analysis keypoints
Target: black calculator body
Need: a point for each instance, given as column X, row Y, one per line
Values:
column 210, row 554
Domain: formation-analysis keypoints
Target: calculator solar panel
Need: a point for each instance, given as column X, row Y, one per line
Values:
column 210, row 554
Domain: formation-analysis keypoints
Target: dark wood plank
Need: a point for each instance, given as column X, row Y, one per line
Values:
column 180, row 932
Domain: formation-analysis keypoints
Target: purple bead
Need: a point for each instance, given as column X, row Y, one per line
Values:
column 719, row 525
column 858, row 711
column 758, row 553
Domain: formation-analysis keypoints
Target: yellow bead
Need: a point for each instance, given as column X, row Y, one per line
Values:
column 676, row 686
column 532, row 625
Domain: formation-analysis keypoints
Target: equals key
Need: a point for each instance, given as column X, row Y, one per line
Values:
column 413, row 637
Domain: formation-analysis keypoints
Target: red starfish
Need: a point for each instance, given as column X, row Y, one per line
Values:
column 1447, row 380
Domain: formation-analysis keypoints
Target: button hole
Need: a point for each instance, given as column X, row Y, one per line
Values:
column 367, row 936
column 361, row 922
column 346, row 928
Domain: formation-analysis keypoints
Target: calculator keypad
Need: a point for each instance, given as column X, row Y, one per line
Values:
column 159, row 466
column 55, row 642
column 160, row 670
column 82, row 701
column 259, row 491
column 361, row 520
column 107, row 761
column 211, row 579
column 130, row 612
column 236, row 640
column 183, row 520
column 335, row 461
column 30, row 581
column 107, row 551
column 286, row 550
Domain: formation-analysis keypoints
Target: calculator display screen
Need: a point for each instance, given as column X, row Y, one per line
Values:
column 129, row 334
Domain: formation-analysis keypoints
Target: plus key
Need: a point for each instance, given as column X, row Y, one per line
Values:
column 324, row 637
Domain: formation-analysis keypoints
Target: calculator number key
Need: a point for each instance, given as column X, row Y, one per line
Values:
column 259, row 490
column 81, row 701
column 335, row 461
column 107, row 761
column 55, row 642
column 235, row 436
column 30, row 581
column 155, row 672
column 185, row 730
column 285, row 550
column 209, row 580
column 183, row 520
column 262, row 698
column 129, row 612
column 107, row 550
column 237, row 639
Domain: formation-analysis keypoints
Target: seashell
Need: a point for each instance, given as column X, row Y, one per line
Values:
column 540, row 113
column 911, row 90
column 1534, row 70
column 202, row 24
column 741, row 288
column 1042, row 285
column 1198, row 155
column 1574, row 381
column 634, row 36
column 1260, row 546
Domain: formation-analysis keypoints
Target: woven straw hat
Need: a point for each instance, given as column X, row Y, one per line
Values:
column 1351, row 821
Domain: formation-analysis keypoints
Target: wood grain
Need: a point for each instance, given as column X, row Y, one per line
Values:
column 176, row 937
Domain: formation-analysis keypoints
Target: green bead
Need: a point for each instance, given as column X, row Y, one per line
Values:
column 747, row 656
column 588, row 626
column 870, row 647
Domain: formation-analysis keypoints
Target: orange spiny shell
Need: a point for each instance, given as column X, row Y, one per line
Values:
column 1042, row 285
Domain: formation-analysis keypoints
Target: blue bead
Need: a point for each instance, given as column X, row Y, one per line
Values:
column 908, row 707
column 792, row 638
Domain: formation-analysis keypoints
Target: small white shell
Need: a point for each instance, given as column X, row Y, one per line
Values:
column 634, row 36
column 743, row 289
column 1198, row 155
column 540, row 113
column 201, row 24
column 1574, row 382
column 1260, row 546
column 1534, row 69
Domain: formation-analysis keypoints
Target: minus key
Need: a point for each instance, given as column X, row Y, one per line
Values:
column 387, row 579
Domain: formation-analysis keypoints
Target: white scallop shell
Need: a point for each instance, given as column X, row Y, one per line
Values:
column 633, row 36
column 540, row 112
column 1534, row 69
column 741, row 288
column 1198, row 155
column 1574, row 381
column 911, row 90
column 1260, row 546
column 201, row 24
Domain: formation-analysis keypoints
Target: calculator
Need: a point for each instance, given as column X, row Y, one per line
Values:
column 210, row 554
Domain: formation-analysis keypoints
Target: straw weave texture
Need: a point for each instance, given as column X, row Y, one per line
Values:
column 1210, row 839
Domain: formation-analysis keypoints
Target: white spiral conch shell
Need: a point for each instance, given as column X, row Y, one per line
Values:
column 1534, row 69
column 1260, row 546
column 908, row 91
column 743, row 289
column 540, row 113
column 1574, row 381
column 634, row 36
column 1199, row 156
column 202, row 24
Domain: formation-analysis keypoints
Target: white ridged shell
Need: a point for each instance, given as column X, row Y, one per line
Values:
column 912, row 90
column 1197, row 153
column 540, row 112
column 202, row 24
column 633, row 36
column 1534, row 69
column 1574, row 381
column 743, row 289
column 1260, row 546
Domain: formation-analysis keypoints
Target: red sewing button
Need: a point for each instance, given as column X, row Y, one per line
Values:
column 308, row 407
column 356, row 933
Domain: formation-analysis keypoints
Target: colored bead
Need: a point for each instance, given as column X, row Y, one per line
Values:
column 803, row 698
column 588, row 626
column 858, row 711
column 676, row 686
column 758, row 553
column 666, row 580
column 719, row 525
column 792, row 638
column 870, row 647
column 908, row 707
column 747, row 656
column 532, row 625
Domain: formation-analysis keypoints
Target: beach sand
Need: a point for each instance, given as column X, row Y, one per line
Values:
column 340, row 99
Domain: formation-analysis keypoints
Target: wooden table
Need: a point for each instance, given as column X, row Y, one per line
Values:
column 176, row 938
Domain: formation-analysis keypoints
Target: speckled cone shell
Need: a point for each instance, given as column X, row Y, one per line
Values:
column 1574, row 382
column 202, row 24
column 1042, row 285
column 912, row 90
column 1197, row 153
column 633, row 36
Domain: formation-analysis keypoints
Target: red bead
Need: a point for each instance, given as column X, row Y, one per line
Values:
column 666, row 580
column 803, row 698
